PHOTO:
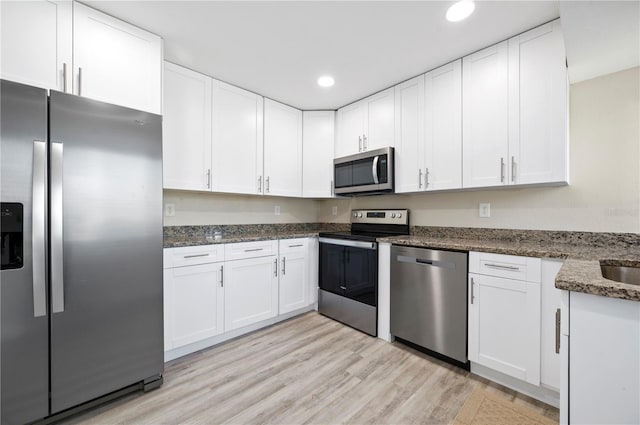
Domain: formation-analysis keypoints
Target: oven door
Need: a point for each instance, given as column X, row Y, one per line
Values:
column 350, row 269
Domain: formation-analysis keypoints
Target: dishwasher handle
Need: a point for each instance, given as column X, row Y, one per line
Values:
column 425, row 262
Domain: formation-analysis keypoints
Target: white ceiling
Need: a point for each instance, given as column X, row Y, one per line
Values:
column 279, row 49
column 601, row 37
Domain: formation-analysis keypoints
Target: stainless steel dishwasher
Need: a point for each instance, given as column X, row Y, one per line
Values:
column 429, row 300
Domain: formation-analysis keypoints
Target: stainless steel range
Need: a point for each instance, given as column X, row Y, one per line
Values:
column 349, row 267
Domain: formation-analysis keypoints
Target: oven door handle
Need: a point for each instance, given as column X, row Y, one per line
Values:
column 346, row 242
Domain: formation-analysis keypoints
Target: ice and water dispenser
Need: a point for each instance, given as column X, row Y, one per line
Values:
column 12, row 229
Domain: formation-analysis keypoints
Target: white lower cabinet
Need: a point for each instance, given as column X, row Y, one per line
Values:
column 213, row 293
column 193, row 304
column 294, row 275
column 550, row 335
column 251, row 291
column 504, row 315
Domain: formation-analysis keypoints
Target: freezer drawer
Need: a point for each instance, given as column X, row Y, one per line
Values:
column 429, row 299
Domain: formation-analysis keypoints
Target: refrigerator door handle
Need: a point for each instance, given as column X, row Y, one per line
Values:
column 57, row 272
column 38, row 226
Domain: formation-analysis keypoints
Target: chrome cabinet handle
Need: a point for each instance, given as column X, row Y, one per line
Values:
column 57, row 254
column 222, row 276
column 502, row 170
column 79, row 81
column 253, row 249
column 38, row 227
column 558, row 331
column 426, row 178
column 208, row 178
column 501, row 267
column 359, row 144
column 331, row 188
column 344, row 288
column 267, row 184
column 284, row 268
column 275, row 267
column 259, row 184
column 472, row 295
column 64, row 77
column 374, row 169
column 364, row 142
column 296, row 245
column 513, row 169
column 196, row 255
column 419, row 178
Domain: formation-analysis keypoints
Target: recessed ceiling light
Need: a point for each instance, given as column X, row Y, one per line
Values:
column 326, row 81
column 460, row 10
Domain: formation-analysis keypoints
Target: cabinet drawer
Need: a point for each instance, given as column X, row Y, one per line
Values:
column 238, row 251
column 293, row 245
column 193, row 255
column 507, row 266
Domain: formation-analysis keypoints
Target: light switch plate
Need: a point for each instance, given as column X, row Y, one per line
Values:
column 484, row 211
column 334, row 210
column 277, row 210
column 170, row 210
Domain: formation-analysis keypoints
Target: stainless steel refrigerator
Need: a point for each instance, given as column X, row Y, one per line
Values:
column 81, row 276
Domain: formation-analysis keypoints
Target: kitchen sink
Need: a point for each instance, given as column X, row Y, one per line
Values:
column 624, row 274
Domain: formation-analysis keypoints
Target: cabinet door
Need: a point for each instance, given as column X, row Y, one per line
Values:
column 351, row 125
column 186, row 126
column 282, row 149
column 380, row 121
column 485, row 116
column 538, row 106
column 193, row 304
column 443, row 127
column 116, row 62
column 237, row 140
column 550, row 308
column 294, row 275
column 504, row 326
column 36, row 43
column 251, row 291
column 317, row 153
column 409, row 140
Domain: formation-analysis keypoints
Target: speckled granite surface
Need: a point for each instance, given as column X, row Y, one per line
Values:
column 581, row 251
column 178, row 236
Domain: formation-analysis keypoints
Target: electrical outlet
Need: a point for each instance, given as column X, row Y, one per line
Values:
column 277, row 210
column 334, row 210
column 484, row 210
column 170, row 210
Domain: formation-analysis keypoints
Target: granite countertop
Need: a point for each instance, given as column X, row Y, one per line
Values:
column 580, row 271
column 175, row 241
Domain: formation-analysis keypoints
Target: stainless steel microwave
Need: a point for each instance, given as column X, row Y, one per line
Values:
column 365, row 173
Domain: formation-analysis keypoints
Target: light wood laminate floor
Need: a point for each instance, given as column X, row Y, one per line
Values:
column 309, row 369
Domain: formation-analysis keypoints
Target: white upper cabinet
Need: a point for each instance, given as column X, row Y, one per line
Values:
column 409, row 139
column 538, row 106
column 282, row 149
column 485, row 116
column 237, row 140
column 351, row 127
column 380, row 121
column 515, row 111
column 367, row 124
column 443, row 127
column 115, row 62
column 317, row 153
column 36, row 45
column 186, row 141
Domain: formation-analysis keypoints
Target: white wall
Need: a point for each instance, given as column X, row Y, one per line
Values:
column 201, row 208
column 604, row 194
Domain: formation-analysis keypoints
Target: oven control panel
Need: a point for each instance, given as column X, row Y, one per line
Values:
column 380, row 216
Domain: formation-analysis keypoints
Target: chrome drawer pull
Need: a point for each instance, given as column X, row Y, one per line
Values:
column 196, row 255
column 253, row 249
column 472, row 295
column 500, row 267
column 295, row 246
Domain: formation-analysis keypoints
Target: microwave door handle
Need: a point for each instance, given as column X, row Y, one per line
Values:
column 374, row 169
